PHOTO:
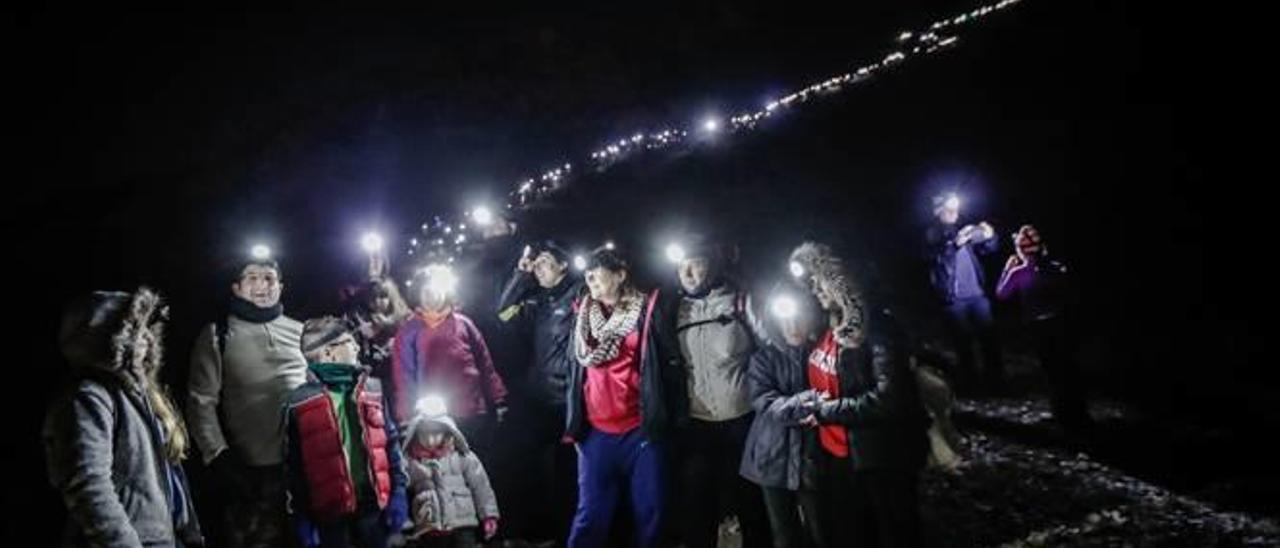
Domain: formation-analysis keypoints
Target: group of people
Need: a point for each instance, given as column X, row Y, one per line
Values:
column 673, row 408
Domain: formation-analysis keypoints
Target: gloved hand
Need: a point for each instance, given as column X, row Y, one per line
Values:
column 490, row 528
column 397, row 511
column 987, row 231
column 308, row 535
column 815, row 406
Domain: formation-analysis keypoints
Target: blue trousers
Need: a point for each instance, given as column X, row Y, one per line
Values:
column 609, row 466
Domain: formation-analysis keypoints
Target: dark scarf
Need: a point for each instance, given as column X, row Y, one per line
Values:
column 714, row 282
column 253, row 313
column 339, row 376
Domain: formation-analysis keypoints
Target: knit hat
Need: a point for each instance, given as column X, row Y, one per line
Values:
column 318, row 332
column 1027, row 240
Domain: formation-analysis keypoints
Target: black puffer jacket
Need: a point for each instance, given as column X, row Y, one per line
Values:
column 880, row 402
column 779, row 452
column 549, row 313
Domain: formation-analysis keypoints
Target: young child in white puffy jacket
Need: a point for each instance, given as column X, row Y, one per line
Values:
column 452, row 503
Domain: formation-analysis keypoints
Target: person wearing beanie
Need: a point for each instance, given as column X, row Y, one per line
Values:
column 453, row 504
column 343, row 463
column 624, row 399
column 440, row 350
column 955, row 270
column 243, row 368
column 538, row 299
column 1040, row 286
column 114, row 442
column 716, row 334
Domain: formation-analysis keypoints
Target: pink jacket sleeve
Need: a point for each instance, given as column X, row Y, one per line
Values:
column 496, row 389
column 404, row 368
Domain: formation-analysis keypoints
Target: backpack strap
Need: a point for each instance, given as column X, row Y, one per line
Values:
column 220, row 330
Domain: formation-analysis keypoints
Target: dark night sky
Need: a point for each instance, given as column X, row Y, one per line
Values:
column 161, row 142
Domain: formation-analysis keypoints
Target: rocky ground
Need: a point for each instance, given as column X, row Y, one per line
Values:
column 1026, row 483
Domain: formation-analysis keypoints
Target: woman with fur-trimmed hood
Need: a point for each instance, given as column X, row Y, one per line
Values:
column 871, row 424
column 826, row 277
column 114, row 442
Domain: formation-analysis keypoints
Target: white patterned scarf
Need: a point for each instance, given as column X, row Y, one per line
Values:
column 599, row 338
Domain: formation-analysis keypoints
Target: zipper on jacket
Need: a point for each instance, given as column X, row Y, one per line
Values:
column 271, row 341
column 346, row 459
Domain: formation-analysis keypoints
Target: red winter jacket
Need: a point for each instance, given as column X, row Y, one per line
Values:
column 318, row 469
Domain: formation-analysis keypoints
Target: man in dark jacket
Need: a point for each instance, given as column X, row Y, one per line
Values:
column 956, row 273
column 539, row 299
column 540, row 295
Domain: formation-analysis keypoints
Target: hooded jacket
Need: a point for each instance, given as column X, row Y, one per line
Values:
column 779, row 451
column 879, row 401
column 105, row 448
column 449, row 490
